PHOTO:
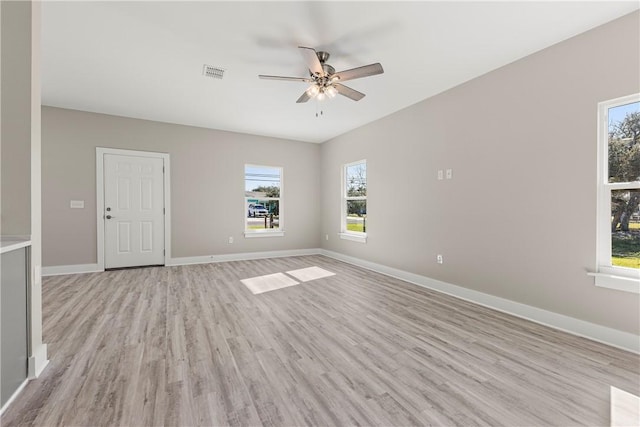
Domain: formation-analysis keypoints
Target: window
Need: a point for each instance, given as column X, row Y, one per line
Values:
column 619, row 194
column 262, row 201
column 354, row 201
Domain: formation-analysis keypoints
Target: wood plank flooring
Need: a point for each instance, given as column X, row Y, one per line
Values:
column 191, row 345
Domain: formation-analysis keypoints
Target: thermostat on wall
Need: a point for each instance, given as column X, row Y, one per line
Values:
column 76, row 204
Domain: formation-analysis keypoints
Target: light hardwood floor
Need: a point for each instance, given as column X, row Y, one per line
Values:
column 191, row 345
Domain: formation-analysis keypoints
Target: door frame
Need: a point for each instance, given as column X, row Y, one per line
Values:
column 100, row 220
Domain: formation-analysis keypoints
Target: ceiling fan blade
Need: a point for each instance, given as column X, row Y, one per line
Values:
column 356, row 73
column 303, row 98
column 292, row 79
column 348, row 92
column 311, row 59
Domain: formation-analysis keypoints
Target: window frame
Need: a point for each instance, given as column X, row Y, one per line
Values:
column 345, row 234
column 251, row 233
column 606, row 274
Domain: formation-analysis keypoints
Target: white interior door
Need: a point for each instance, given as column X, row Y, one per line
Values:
column 133, row 211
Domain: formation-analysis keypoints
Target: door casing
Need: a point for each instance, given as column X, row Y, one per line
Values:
column 100, row 152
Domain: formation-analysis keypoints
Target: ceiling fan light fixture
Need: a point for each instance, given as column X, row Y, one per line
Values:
column 331, row 91
column 320, row 95
column 313, row 90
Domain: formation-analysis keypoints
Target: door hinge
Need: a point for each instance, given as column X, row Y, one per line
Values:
column 164, row 252
column 164, row 211
column 163, row 169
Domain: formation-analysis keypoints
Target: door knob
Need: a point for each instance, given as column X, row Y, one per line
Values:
column 109, row 217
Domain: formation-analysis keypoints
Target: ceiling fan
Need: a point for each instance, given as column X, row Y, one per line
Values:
column 324, row 79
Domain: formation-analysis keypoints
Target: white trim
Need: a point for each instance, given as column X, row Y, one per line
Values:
column 13, row 396
column 167, row 208
column 252, row 234
column 360, row 237
column 616, row 275
column 37, row 362
column 612, row 281
column 58, row 270
column 281, row 211
column 100, row 152
column 242, row 256
column 613, row 337
column 344, row 233
column 204, row 259
column 7, row 245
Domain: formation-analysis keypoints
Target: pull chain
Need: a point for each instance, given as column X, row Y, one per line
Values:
column 321, row 112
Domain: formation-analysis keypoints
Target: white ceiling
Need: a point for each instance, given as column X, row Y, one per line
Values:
column 145, row 59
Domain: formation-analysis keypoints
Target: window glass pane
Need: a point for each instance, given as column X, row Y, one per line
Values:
column 625, row 228
column 356, row 180
column 357, row 215
column 624, row 143
column 263, row 214
column 261, row 181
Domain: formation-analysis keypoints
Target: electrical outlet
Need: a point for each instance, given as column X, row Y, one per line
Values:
column 439, row 259
column 230, row 239
column 440, row 175
column 449, row 174
column 326, row 237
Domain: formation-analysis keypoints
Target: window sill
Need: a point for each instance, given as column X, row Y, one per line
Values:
column 360, row 237
column 620, row 283
column 252, row 234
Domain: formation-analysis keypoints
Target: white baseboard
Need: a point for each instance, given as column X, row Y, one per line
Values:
column 241, row 256
column 58, row 270
column 35, row 366
column 592, row 331
column 38, row 361
column 13, row 396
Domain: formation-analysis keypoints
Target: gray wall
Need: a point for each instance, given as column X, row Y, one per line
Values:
column 15, row 169
column 207, row 184
column 518, row 219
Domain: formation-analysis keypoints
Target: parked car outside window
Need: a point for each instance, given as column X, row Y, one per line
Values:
column 257, row 210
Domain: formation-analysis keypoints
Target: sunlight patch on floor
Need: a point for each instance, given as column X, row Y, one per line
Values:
column 311, row 273
column 625, row 408
column 269, row 282
column 272, row 282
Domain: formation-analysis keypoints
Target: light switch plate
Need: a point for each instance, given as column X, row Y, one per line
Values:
column 449, row 174
column 440, row 175
column 76, row 204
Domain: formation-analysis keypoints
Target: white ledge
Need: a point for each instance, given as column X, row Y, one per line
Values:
column 360, row 237
column 8, row 245
column 251, row 234
column 620, row 283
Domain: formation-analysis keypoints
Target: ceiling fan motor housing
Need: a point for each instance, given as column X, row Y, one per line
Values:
column 323, row 56
column 328, row 69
